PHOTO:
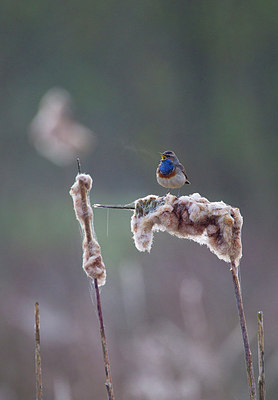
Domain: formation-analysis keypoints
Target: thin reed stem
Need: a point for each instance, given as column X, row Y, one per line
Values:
column 38, row 354
column 119, row 207
column 89, row 236
column 108, row 382
column 261, row 379
column 242, row 320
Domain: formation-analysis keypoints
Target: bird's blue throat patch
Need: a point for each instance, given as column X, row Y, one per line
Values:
column 166, row 167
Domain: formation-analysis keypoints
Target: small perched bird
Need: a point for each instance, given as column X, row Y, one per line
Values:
column 170, row 172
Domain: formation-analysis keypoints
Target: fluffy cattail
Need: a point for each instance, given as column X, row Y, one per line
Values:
column 215, row 224
column 92, row 260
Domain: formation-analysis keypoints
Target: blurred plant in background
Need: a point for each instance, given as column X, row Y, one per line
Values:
column 54, row 132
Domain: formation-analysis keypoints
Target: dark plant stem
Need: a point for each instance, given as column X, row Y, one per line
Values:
column 78, row 165
column 261, row 379
column 89, row 236
column 108, row 382
column 38, row 354
column 242, row 320
column 125, row 207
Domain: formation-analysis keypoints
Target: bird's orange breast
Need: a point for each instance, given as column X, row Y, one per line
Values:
column 171, row 175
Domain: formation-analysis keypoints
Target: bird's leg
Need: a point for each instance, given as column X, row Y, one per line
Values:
column 168, row 191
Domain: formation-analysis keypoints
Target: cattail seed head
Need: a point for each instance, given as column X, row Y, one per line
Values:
column 92, row 260
column 193, row 217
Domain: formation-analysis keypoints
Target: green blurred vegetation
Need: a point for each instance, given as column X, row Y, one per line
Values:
column 197, row 76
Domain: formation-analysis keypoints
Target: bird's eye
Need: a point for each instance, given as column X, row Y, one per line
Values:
column 163, row 157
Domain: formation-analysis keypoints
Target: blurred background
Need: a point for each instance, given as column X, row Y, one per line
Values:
column 131, row 79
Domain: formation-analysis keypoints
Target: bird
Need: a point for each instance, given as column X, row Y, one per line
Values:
column 170, row 172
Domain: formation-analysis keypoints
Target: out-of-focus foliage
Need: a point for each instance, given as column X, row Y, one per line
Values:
column 196, row 77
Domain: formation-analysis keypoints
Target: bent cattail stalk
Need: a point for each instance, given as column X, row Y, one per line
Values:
column 92, row 260
column 215, row 224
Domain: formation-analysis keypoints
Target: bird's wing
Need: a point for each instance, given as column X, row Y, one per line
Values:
column 181, row 167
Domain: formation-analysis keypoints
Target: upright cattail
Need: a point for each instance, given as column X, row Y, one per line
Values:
column 92, row 260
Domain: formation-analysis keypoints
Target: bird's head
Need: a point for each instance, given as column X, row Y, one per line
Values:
column 168, row 155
